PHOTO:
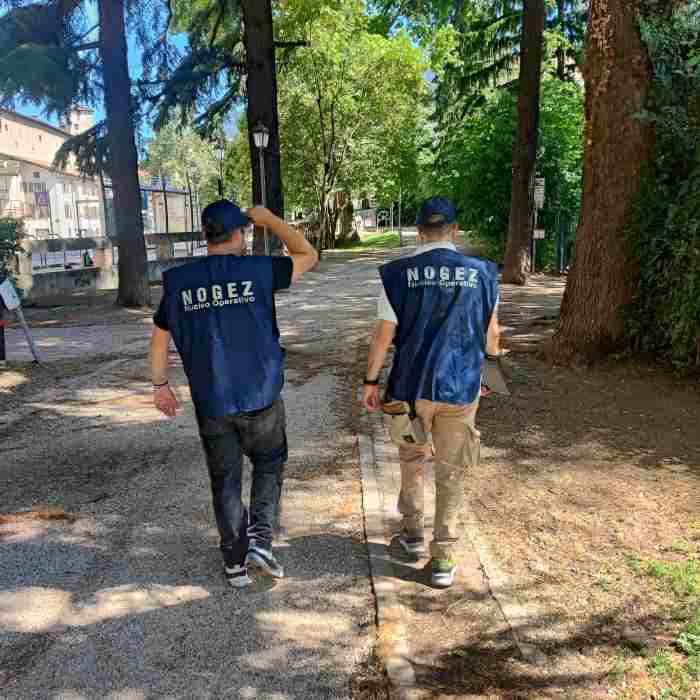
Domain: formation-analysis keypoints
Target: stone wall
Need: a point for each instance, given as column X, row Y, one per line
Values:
column 45, row 286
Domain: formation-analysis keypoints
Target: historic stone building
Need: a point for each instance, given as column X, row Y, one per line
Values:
column 53, row 203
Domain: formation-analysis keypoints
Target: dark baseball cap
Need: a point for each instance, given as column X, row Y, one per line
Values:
column 221, row 218
column 436, row 212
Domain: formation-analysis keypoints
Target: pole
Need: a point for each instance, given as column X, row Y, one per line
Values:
column 400, row 231
column 189, row 190
column 48, row 197
column 165, row 203
column 534, row 243
column 3, row 356
column 27, row 334
column 263, row 190
column 221, row 179
column 76, row 204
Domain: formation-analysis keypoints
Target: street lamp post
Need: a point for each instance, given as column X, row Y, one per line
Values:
column 220, row 154
column 261, row 137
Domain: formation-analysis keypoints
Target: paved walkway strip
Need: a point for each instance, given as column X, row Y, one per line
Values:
column 380, row 486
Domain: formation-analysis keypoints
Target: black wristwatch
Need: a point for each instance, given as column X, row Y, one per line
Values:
column 371, row 382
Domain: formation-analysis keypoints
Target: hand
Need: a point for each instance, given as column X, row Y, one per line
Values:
column 370, row 398
column 165, row 401
column 260, row 216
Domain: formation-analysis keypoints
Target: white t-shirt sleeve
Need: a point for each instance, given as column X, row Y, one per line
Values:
column 385, row 311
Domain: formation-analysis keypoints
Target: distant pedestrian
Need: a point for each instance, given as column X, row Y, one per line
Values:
column 438, row 307
column 220, row 311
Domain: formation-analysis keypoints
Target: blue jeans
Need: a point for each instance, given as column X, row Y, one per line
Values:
column 261, row 436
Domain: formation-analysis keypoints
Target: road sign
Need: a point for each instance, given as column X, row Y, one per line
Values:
column 12, row 302
column 539, row 192
column 9, row 295
column 538, row 234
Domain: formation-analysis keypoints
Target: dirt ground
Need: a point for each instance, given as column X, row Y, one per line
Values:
column 589, row 482
column 588, row 493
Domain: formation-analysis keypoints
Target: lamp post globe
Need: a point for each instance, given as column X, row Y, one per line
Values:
column 261, row 136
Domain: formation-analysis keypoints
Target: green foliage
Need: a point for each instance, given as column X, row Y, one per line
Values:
column 475, row 45
column 689, row 638
column 207, row 82
column 39, row 63
column 184, row 158
column 11, row 233
column 353, row 106
column 474, row 166
column 238, row 172
column 665, row 315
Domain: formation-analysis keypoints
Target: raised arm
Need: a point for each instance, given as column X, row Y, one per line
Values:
column 302, row 253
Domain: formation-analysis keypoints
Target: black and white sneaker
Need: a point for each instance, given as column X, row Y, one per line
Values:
column 412, row 546
column 237, row 576
column 263, row 559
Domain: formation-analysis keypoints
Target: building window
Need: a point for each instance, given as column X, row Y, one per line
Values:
column 37, row 175
column 4, row 183
column 39, row 137
column 69, row 211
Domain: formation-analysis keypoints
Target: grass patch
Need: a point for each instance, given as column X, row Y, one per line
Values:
column 372, row 241
column 679, row 668
column 661, row 664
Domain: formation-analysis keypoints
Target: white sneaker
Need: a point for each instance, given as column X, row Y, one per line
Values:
column 237, row 576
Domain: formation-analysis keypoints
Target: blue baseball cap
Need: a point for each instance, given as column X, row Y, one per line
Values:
column 221, row 218
column 436, row 212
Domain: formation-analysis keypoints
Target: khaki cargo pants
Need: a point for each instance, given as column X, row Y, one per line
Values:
column 457, row 444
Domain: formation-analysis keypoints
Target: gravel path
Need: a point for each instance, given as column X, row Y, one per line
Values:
column 120, row 595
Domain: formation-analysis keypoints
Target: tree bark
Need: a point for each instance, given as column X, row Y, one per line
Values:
column 561, row 50
column 604, row 273
column 518, row 259
column 261, row 85
column 123, row 165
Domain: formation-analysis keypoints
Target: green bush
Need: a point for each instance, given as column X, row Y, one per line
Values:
column 665, row 315
column 474, row 166
column 11, row 232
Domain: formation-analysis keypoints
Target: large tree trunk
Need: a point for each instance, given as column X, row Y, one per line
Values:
column 261, row 87
column 123, row 164
column 517, row 260
column 604, row 272
column 561, row 49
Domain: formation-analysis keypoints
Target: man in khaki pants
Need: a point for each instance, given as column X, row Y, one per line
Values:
column 438, row 307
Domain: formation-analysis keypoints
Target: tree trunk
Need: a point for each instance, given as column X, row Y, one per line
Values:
column 123, row 165
column 518, row 259
column 561, row 50
column 604, row 272
column 261, row 85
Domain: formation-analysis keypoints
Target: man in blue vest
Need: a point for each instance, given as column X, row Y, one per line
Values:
column 220, row 312
column 438, row 307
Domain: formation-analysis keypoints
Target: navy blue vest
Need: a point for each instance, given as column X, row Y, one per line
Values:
column 220, row 312
column 444, row 302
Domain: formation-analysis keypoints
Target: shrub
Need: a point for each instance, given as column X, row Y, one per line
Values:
column 665, row 315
